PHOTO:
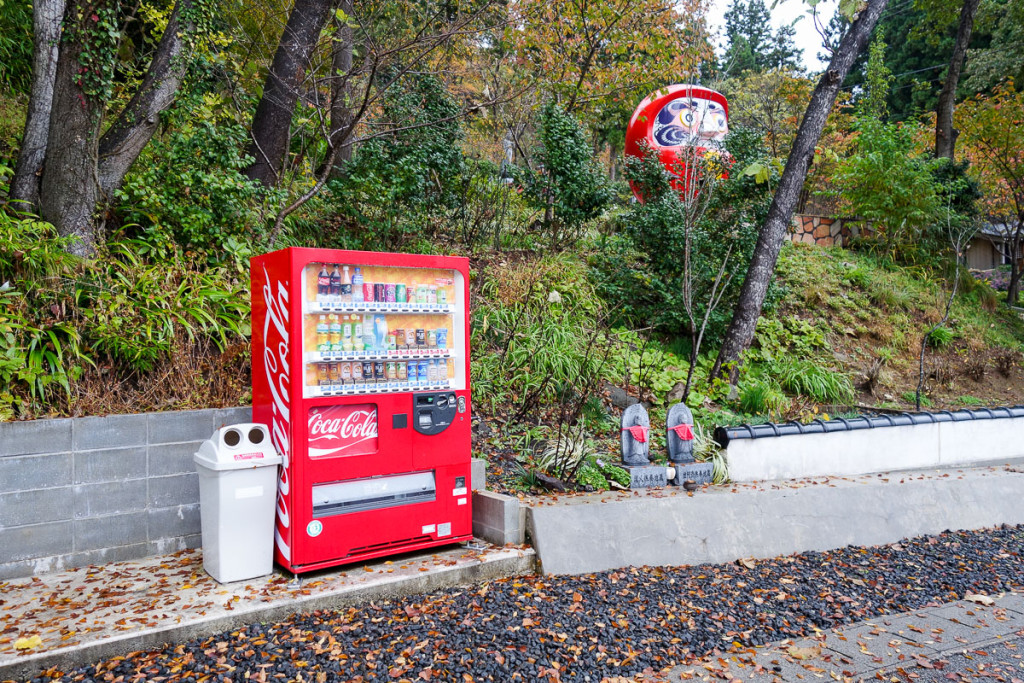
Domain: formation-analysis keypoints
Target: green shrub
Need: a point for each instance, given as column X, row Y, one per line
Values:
column 911, row 397
column 400, row 185
column 41, row 347
column 940, row 337
column 571, row 188
column 15, row 45
column 613, row 473
column 807, row 378
column 188, row 185
column 778, row 338
column 60, row 316
column 641, row 271
column 590, row 475
column 534, row 347
column 763, row 397
column 157, row 302
column 859, row 278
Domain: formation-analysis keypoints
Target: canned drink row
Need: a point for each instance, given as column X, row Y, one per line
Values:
column 336, row 285
column 385, row 373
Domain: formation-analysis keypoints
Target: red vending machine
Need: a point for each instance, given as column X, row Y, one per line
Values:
column 360, row 366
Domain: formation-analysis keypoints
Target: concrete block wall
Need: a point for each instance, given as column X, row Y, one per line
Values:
column 498, row 519
column 91, row 490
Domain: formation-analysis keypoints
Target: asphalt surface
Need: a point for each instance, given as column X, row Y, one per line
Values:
column 841, row 608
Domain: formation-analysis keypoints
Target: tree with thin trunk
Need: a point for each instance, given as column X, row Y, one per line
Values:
column 384, row 48
column 959, row 231
column 769, row 242
column 271, row 124
column 341, row 85
column 46, row 19
column 993, row 141
column 945, row 133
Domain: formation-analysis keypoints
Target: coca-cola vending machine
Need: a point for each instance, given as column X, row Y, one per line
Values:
column 361, row 369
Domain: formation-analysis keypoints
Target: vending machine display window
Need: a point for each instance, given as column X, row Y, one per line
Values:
column 361, row 369
column 379, row 329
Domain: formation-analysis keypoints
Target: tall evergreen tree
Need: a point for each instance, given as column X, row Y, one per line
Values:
column 751, row 45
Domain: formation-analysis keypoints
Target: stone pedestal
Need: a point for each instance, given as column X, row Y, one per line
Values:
column 646, row 476
column 700, row 472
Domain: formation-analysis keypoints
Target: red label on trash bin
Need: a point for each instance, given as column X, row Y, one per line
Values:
column 248, row 456
column 342, row 430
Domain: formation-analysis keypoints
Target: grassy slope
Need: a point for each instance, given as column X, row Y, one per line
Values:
column 874, row 318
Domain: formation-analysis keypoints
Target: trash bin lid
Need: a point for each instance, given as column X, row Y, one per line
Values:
column 237, row 447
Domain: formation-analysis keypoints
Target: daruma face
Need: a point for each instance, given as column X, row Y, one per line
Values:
column 678, row 122
column 689, row 120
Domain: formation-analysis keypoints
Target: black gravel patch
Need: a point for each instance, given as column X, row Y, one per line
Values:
column 585, row 628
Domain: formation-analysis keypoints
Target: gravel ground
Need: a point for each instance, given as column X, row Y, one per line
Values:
column 625, row 623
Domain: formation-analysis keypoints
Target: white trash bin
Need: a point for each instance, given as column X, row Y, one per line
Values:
column 237, row 498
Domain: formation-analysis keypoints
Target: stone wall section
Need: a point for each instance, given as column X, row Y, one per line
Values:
column 92, row 490
column 823, row 231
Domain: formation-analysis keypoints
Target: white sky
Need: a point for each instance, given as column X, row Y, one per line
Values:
column 784, row 13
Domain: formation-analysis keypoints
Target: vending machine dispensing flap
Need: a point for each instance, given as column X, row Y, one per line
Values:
column 373, row 494
column 433, row 412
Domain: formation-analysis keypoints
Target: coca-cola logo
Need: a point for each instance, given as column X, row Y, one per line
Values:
column 342, row 430
column 276, row 351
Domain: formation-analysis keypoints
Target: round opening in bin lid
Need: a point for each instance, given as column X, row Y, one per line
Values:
column 232, row 437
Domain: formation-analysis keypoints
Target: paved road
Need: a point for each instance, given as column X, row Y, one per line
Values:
column 961, row 641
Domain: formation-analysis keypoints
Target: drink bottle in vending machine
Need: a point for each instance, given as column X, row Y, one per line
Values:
column 361, row 370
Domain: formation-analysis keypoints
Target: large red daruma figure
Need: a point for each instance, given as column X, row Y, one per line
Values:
column 678, row 121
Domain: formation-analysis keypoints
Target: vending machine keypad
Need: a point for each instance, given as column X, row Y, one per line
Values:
column 433, row 412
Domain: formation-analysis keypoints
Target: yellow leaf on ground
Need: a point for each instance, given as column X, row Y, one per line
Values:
column 803, row 652
column 27, row 643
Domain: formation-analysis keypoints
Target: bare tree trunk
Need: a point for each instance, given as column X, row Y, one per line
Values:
column 46, row 18
column 1013, row 288
column 121, row 145
column 773, row 233
column 945, row 134
column 273, row 117
column 341, row 92
column 1013, row 246
column 69, row 188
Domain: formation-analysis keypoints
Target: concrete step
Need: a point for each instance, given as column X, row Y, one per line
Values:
column 594, row 532
column 90, row 613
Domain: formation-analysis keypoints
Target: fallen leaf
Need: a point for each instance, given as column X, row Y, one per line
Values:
column 980, row 599
column 803, row 652
column 27, row 643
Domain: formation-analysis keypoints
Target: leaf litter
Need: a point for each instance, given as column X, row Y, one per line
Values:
column 625, row 624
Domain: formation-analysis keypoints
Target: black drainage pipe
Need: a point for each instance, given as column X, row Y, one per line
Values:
column 723, row 435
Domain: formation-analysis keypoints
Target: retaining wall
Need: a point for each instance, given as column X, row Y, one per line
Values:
column 89, row 490
column 580, row 534
column 823, row 231
column 877, row 444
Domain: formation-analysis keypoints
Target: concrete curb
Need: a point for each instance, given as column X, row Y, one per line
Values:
column 583, row 534
column 499, row 564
